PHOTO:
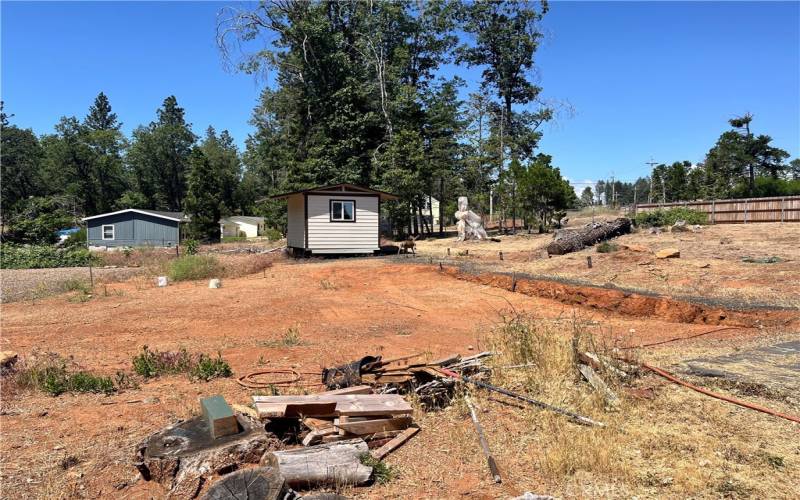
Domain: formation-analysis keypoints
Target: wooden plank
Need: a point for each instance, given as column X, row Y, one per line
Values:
column 395, row 443
column 356, row 389
column 317, row 436
column 350, row 404
column 375, row 425
column 220, row 417
column 317, row 423
column 599, row 385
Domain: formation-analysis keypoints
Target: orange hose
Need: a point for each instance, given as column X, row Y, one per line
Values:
column 729, row 399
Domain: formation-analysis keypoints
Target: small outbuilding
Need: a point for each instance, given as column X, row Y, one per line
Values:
column 241, row 225
column 338, row 219
column 134, row 227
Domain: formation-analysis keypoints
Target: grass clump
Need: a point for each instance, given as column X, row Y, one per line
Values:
column 194, row 267
column 327, row 284
column 606, row 247
column 289, row 339
column 151, row 363
column 668, row 217
column 381, row 473
column 52, row 375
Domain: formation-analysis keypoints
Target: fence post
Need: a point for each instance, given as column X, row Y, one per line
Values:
column 783, row 208
column 713, row 211
column 746, row 203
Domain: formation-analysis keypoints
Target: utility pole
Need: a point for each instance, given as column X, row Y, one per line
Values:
column 613, row 191
column 652, row 164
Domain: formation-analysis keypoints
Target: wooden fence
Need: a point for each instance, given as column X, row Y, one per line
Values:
column 740, row 211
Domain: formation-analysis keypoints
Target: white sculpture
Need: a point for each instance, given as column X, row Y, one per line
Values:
column 469, row 223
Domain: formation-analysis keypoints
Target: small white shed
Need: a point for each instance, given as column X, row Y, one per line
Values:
column 338, row 219
column 241, row 225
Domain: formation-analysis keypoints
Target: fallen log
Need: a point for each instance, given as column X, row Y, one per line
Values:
column 572, row 241
column 332, row 464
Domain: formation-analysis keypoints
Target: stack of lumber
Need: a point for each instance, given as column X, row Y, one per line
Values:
column 343, row 414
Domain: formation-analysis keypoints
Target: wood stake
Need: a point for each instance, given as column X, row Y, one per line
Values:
column 448, row 251
column 589, row 261
column 514, row 282
column 484, row 444
column 501, row 255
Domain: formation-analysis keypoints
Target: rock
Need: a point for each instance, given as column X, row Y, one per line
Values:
column 532, row 496
column 655, row 230
column 636, row 248
column 263, row 483
column 668, row 253
column 680, row 226
column 7, row 360
column 214, row 283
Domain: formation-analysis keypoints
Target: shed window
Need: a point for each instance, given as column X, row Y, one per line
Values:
column 108, row 232
column 343, row 211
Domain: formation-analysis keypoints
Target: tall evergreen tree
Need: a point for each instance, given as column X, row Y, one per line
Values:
column 159, row 157
column 104, row 138
column 204, row 198
column 20, row 160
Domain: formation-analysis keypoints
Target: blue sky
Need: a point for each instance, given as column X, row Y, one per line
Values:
column 644, row 79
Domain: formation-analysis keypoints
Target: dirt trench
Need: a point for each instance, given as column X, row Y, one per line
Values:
column 630, row 303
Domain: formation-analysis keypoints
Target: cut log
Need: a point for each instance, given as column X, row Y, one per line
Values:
column 333, row 464
column 264, row 483
column 572, row 241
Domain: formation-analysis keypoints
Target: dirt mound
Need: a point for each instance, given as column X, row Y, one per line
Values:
column 629, row 303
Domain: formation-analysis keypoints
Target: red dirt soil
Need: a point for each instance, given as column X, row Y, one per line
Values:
column 343, row 309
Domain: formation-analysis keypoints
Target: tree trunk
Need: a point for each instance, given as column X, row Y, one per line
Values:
column 572, row 241
column 441, row 204
column 331, row 464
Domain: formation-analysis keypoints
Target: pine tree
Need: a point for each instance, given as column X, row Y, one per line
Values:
column 203, row 199
column 104, row 138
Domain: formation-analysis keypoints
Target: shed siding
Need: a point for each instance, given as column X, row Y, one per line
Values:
column 134, row 229
column 324, row 235
column 296, row 225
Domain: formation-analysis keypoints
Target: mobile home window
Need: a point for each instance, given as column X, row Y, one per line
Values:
column 343, row 211
column 108, row 232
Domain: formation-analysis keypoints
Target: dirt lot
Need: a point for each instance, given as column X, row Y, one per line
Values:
column 711, row 265
column 674, row 442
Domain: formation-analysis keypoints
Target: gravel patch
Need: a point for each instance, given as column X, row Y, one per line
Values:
column 23, row 284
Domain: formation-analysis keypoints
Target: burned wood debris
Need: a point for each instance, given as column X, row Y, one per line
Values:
column 408, row 375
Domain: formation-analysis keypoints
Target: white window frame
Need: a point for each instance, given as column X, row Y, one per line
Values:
column 342, row 218
column 103, row 232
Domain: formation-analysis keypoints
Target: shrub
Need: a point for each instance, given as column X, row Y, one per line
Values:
column 42, row 256
column 668, row 217
column 150, row 364
column 381, row 472
column 194, row 267
column 272, row 234
column 191, row 246
column 208, row 368
column 76, row 239
column 606, row 247
column 233, row 239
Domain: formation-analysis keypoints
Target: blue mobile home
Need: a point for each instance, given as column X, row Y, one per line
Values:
column 134, row 227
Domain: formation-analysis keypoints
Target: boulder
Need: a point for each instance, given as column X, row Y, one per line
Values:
column 668, row 253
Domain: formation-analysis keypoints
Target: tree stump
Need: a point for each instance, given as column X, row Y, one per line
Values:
column 183, row 456
column 330, row 464
column 262, row 483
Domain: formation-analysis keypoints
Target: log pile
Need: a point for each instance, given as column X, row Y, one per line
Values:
column 578, row 239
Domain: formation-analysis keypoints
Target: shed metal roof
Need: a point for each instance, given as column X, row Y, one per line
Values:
column 246, row 219
column 339, row 188
column 174, row 216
